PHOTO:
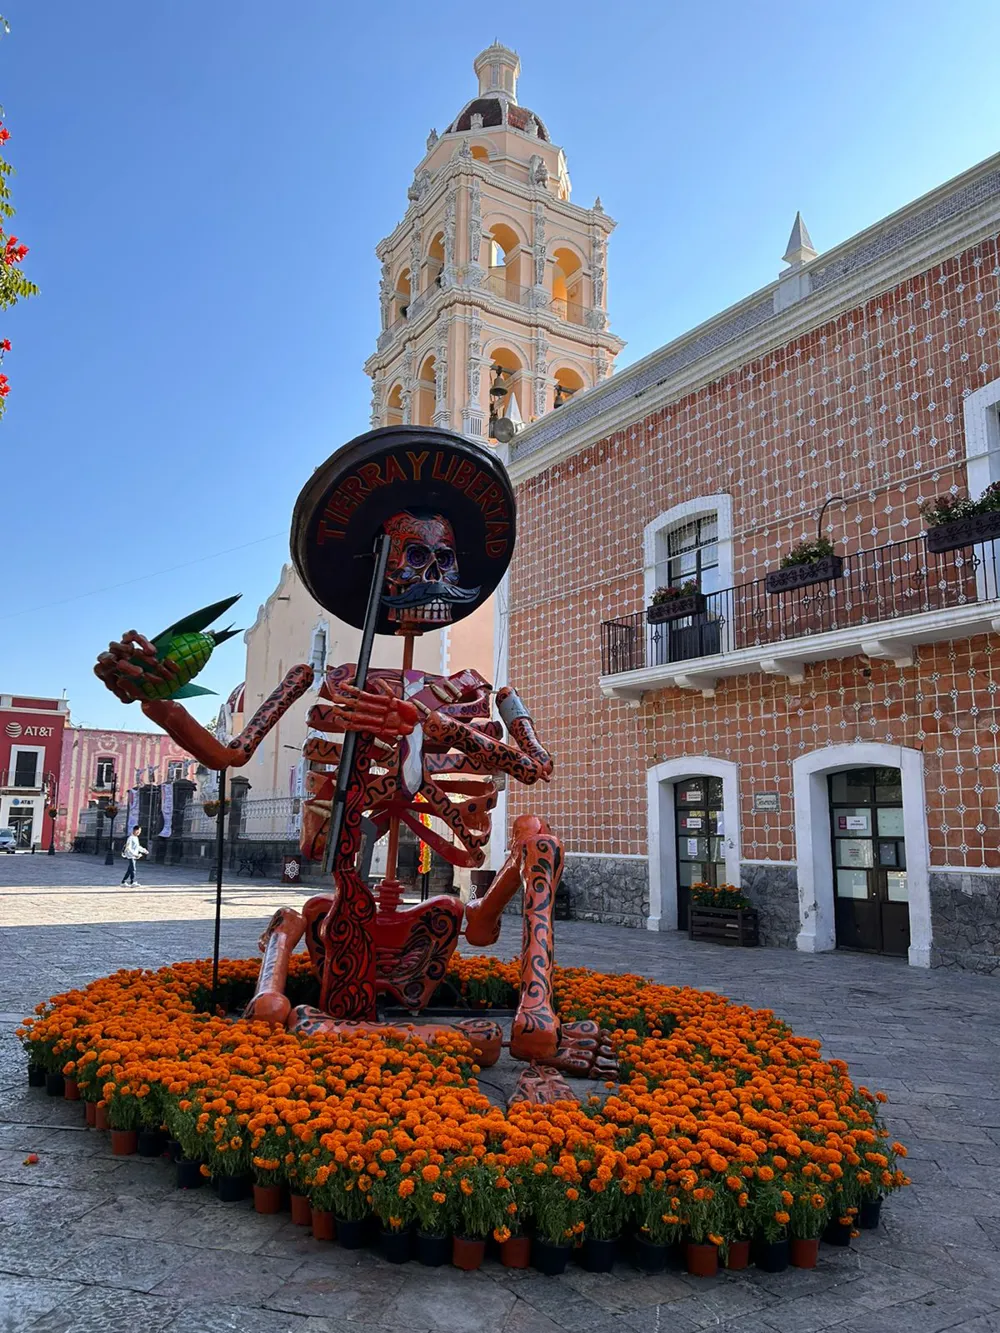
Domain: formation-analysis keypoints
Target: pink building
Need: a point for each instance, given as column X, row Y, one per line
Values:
column 94, row 763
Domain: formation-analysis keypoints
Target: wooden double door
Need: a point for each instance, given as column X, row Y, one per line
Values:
column 871, row 898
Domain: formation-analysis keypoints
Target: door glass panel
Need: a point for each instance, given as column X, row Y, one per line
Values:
column 888, row 786
column 692, row 821
column 693, row 849
column 691, row 872
column 715, row 849
column 690, row 793
column 715, row 791
column 853, row 822
column 890, row 823
column 896, row 886
column 888, row 853
column 855, row 852
column 683, row 539
column 854, row 785
column 852, row 884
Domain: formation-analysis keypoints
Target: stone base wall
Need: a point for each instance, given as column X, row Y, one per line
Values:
column 610, row 889
column 965, row 918
column 774, row 892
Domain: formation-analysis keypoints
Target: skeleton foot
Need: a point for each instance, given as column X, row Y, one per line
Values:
column 540, row 1085
column 585, row 1051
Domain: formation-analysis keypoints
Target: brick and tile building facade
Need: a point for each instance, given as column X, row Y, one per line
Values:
column 836, row 748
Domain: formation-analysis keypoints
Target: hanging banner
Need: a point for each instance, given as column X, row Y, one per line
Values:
column 424, row 860
column 133, row 810
column 166, row 807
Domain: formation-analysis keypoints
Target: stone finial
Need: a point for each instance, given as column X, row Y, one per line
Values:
column 432, row 139
column 598, row 206
column 800, row 247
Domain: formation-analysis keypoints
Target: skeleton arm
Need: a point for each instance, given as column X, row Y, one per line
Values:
column 133, row 658
column 177, row 722
column 528, row 762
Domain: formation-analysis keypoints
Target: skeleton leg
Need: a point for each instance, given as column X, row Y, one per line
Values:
column 483, row 1035
column 270, row 1004
column 535, row 1031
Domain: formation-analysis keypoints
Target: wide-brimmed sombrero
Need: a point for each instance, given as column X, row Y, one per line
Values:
column 344, row 504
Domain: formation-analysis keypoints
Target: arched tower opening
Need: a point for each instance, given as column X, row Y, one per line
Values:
column 567, row 285
column 435, row 262
column 424, row 406
column 394, row 406
column 504, row 246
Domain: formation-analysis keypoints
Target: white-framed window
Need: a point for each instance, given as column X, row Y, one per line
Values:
column 175, row 770
column 982, row 437
column 26, row 765
column 318, row 651
column 691, row 541
column 105, row 773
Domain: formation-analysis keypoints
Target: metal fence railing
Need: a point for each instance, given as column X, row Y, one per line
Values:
column 880, row 584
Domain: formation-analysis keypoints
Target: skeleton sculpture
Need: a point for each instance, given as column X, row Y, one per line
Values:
column 421, row 745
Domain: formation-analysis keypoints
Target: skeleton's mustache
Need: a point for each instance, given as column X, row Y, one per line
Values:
column 420, row 593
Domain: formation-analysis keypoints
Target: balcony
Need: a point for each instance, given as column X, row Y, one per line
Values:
column 497, row 282
column 571, row 312
column 889, row 600
column 23, row 784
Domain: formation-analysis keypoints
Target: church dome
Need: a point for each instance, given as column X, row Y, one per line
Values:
column 497, row 69
column 497, row 111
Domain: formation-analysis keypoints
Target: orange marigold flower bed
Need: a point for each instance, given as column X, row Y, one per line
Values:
column 725, row 1124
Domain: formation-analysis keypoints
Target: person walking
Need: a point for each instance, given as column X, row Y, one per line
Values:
column 132, row 850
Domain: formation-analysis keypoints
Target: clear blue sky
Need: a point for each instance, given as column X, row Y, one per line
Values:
column 202, row 185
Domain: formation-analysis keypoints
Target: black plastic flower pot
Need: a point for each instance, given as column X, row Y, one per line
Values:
column 172, row 1150
column 801, row 576
column 36, row 1076
column 433, row 1251
column 676, row 608
column 837, row 1233
column 189, row 1175
column 869, row 1214
column 233, row 1188
column 648, row 1256
column 550, row 1259
column 964, row 532
column 770, row 1256
column 55, row 1085
column 151, row 1143
column 352, row 1235
column 395, row 1246
column 599, row 1255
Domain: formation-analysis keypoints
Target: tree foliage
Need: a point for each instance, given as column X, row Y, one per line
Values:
column 14, row 286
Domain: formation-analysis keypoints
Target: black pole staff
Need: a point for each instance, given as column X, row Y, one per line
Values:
column 220, row 828
column 345, row 770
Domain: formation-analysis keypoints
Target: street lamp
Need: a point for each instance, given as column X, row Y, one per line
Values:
column 112, row 810
column 53, row 813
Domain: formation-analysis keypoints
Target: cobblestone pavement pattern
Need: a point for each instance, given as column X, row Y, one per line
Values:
column 90, row 1242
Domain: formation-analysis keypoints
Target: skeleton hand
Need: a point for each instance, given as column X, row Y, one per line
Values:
column 128, row 661
column 379, row 712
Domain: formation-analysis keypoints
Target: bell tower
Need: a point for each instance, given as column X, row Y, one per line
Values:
column 494, row 285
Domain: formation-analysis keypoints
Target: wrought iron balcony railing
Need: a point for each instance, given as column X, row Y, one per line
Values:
column 571, row 311
column 885, row 583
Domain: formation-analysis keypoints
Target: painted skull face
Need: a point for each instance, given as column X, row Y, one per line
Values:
column 421, row 581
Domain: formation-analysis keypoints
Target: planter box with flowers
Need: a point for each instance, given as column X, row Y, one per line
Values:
column 721, row 914
column 675, row 603
column 954, row 521
column 809, row 562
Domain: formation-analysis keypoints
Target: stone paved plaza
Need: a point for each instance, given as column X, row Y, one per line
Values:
column 90, row 1242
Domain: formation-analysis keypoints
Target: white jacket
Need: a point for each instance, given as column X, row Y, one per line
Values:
column 133, row 848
